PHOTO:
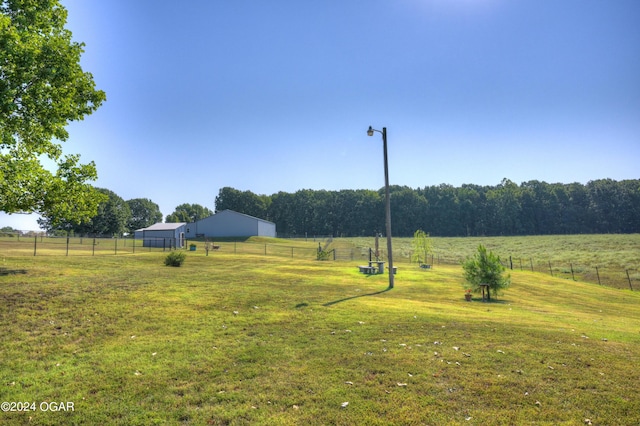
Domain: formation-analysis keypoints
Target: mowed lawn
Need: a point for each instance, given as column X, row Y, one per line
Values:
column 251, row 339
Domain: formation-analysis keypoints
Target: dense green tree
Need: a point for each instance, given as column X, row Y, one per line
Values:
column 111, row 220
column 188, row 213
column 471, row 206
column 144, row 213
column 408, row 210
column 280, row 212
column 7, row 231
column 503, row 202
column 530, row 208
column 113, row 215
column 242, row 202
column 485, row 268
column 42, row 89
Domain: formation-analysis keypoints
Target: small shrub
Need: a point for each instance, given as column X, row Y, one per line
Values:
column 485, row 268
column 175, row 258
column 323, row 255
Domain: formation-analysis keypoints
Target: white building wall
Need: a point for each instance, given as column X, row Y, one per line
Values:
column 162, row 237
column 232, row 224
column 266, row 229
column 228, row 223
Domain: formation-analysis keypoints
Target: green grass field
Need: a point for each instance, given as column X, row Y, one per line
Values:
column 254, row 339
column 612, row 260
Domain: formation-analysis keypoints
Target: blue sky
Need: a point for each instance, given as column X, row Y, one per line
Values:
column 277, row 95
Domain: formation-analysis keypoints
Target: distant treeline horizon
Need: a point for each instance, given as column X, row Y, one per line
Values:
column 531, row 208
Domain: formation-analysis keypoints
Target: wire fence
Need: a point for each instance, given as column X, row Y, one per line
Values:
column 611, row 276
column 43, row 245
column 39, row 244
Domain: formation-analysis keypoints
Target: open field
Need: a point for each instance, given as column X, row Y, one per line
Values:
column 254, row 339
column 612, row 259
column 604, row 258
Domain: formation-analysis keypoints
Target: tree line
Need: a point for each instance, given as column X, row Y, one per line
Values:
column 117, row 217
column 531, row 208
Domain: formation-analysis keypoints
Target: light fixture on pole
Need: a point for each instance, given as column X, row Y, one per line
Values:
column 387, row 200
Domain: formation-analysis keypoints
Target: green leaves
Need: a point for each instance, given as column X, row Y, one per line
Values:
column 188, row 213
column 485, row 268
column 144, row 212
column 42, row 89
column 421, row 246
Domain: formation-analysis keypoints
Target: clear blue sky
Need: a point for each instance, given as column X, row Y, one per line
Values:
column 277, row 95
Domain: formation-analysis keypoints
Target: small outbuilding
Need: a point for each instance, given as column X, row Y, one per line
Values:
column 228, row 223
column 165, row 235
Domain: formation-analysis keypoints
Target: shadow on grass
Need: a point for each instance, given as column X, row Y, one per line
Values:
column 493, row 301
column 5, row 271
column 355, row 297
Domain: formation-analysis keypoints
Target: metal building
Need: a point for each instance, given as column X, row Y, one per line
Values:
column 164, row 235
column 228, row 223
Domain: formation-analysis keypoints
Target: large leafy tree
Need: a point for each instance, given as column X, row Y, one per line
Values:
column 42, row 89
column 188, row 213
column 144, row 213
column 111, row 219
column 242, row 202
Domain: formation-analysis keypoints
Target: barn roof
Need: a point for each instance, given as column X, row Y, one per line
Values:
column 163, row 226
column 232, row 212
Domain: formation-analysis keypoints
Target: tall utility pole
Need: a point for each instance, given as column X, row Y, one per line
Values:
column 387, row 200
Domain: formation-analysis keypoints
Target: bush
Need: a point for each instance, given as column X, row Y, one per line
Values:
column 323, row 255
column 175, row 258
column 485, row 268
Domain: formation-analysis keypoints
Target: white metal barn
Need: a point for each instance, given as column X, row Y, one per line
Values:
column 228, row 223
column 165, row 235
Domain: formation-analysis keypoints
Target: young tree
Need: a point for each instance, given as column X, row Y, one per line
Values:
column 422, row 246
column 42, row 89
column 485, row 268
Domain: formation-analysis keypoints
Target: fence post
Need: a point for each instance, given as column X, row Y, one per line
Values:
column 67, row 245
column 550, row 270
column 35, row 244
column 572, row 276
column 93, row 249
column 629, row 279
column 531, row 261
column 598, row 275
column 116, row 249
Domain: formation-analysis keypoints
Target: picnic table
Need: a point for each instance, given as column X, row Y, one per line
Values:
column 375, row 267
column 367, row 269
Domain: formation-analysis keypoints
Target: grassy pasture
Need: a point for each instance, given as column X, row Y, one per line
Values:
column 254, row 339
column 611, row 254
